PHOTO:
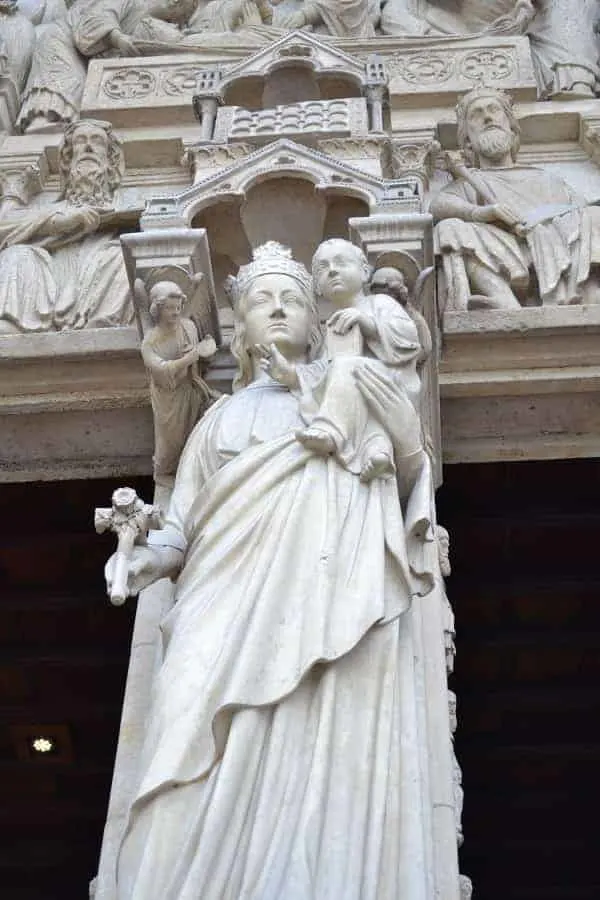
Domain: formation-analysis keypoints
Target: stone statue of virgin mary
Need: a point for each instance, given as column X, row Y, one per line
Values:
column 281, row 754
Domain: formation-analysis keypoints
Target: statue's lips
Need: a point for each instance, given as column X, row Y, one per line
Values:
column 88, row 157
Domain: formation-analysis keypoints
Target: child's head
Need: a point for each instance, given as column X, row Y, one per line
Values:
column 340, row 271
column 388, row 280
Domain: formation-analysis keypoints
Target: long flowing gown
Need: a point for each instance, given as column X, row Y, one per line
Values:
column 53, row 283
column 281, row 757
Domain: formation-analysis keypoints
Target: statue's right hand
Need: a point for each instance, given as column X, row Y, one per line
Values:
column 145, row 567
column 123, row 43
column 497, row 213
column 68, row 221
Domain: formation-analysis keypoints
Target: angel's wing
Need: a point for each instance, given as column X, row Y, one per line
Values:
column 202, row 309
column 141, row 303
column 419, row 288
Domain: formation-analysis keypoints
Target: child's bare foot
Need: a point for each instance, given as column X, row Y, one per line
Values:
column 317, row 440
column 379, row 465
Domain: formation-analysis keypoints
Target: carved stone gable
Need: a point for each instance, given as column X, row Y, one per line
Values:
column 303, row 50
column 280, row 159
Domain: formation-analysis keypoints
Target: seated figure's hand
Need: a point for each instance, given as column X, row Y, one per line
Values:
column 514, row 23
column 146, row 565
column 123, row 43
column 497, row 214
column 82, row 218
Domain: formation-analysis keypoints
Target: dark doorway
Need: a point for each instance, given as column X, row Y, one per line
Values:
column 63, row 660
column 526, row 592
column 525, row 542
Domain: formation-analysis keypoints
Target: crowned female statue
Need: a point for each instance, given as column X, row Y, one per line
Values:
column 281, row 753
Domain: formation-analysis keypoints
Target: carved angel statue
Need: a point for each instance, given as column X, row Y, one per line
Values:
column 390, row 280
column 172, row 351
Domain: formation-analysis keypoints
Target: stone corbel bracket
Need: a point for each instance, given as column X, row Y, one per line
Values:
column 589, row 137
column 174, row 254
column 282, row 159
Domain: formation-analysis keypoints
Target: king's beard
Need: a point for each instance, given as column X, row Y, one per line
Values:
column 494, row 143
column 88, row 186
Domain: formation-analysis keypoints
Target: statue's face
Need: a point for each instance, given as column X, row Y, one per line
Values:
column 171, row 307
column 338, row 272
column 90, row 149
column 489, row 128
column 277, row 312
column 388, row 280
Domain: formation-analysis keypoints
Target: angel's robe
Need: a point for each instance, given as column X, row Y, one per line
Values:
column 281, row 754
column 178, row 396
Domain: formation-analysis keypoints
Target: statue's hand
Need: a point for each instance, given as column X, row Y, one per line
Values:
column 82, row 218
column 145, row 566
column 207, row 347
column 392, row 407
column 343, row 320
column 497, row 214
column 514, row 23
column 274, row 363
column 123, row 43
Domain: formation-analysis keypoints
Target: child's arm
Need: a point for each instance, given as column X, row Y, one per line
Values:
column 344, row 319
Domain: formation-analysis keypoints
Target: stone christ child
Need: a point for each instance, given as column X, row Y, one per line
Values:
column 365, row 330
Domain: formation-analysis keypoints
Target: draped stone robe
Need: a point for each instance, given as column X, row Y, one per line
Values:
column 281, row 758
column 52, row 283
column 561, row 243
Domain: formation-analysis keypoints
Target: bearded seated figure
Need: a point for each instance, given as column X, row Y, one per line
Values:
column 511, row 235
column 57, row 268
